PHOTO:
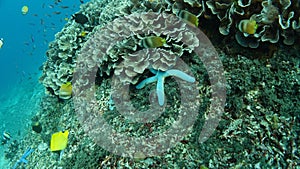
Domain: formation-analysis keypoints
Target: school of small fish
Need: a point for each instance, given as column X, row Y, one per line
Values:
column 56, row 9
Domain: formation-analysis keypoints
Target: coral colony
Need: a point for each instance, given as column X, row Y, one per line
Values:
column 251, row 23
column 260, row 129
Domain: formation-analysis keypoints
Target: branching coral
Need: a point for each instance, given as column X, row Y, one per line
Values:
column 160, row 78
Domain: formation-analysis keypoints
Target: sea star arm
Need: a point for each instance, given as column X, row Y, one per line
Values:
column 180, row 74
column 160, row 90
column 146, row 81
column 27, row 153
column 160, row 78
column 23, row 158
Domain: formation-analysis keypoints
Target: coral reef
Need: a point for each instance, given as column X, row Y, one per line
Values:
column 275, row 19
column 259, row 128
column 260, row 124
column 62, row 53
column 277, row 22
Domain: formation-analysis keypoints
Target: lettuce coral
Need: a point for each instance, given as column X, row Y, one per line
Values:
column 276, row 22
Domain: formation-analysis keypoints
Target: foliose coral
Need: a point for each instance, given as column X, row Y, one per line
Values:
column 62, row 53
column 275, row 19
column 269, row 132
column 276, row 22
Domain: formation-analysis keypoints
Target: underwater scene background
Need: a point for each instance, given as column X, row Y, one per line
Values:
column 25, row 40
column 65, row 61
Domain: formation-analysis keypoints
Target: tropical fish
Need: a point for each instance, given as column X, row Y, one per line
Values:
column 57, row 1
column 83, row 33
column 1, row 42
column 56, row 12
column 24, row 10
column 5, row 137
column 64, row 7
column 51, row 6
column 153, row 42
column 26, row 43
column 32, row 38
column 65, row 91
column 48, row 15
column 80, row 18
column 36, row 126
column 189, row 17
column 59, row 140
column 248, row 26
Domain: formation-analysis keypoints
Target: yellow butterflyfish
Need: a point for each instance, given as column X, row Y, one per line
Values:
column 59, row 140
column 153, row 42
column 65, row 91
column 25, row 10
column 248, row 26
column 83, row 33
column 189, row 17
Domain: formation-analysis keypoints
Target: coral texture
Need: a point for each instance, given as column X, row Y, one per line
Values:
column 261, row 120
column 276, row 22
column 275, row 19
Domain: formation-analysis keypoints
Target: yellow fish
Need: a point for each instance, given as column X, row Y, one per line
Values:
column 65, row 91
column 189, row 17
column 25, row 10
column 153, row 42
column 59, row 140
column 83, row 33
column 248, row 26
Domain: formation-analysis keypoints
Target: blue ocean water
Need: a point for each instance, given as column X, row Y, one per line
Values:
column 25, row 41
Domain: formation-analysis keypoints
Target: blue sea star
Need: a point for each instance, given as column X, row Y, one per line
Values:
column 160, row 78
column 23, row 158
